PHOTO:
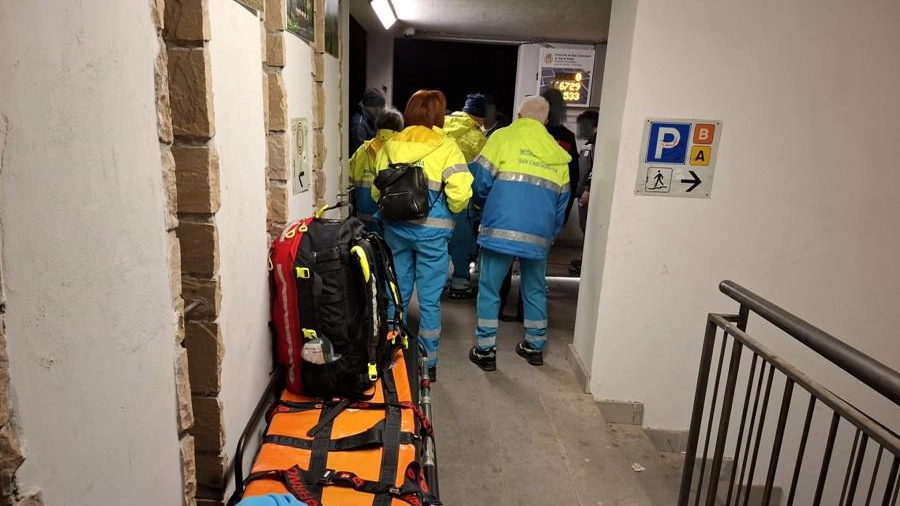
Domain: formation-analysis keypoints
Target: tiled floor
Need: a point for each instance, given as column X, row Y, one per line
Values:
column 526, row 435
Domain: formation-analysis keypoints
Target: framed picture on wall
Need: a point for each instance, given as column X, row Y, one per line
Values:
column 332, row 28
column 301, row 18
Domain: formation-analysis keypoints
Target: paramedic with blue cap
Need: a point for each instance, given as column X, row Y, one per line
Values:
column 419, row 246
column 465, row 127
column 522, row 181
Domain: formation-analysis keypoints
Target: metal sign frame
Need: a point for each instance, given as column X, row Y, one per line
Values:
column 684, row 169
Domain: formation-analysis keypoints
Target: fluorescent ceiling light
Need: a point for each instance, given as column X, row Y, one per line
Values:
column 385, row 12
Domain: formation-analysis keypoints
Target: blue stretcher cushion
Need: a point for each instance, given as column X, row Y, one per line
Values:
column 271, row 500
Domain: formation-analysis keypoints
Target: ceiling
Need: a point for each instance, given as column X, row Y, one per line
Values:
column 585, row 21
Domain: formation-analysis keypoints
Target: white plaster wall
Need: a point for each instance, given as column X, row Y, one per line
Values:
column 606, row 151
column 804, row 207
column 298, row 80
column 89, row 315
column 380, row 64
column 297, row 75
column 243, row 248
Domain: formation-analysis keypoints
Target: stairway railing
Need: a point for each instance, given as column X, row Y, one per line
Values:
column 744, row 449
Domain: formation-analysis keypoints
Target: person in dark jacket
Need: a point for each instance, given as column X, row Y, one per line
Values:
column 565, row 138
column 587, row 130
column 362, row 125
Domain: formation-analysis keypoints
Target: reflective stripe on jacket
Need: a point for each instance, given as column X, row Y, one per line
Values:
column 522, row 181
column 467, row 134
column 362, row 173
column 449, row 179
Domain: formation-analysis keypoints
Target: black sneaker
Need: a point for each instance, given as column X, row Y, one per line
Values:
column 486, row 360
column 463, row 293
column 432, row 373
column 533, row 356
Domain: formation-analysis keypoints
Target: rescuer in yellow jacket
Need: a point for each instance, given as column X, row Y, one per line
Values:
column 419, row 247
column 362, row 167
column 465, row 127
column 522, row 182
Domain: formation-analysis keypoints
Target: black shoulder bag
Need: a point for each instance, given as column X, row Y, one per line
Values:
column 404, row 192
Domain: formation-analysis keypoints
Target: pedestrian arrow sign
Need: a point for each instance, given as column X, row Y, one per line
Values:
column 678, row 157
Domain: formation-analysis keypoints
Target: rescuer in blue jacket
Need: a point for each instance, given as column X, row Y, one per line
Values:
column 522, row 183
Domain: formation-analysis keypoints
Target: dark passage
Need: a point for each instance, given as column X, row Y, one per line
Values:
column 456, row 68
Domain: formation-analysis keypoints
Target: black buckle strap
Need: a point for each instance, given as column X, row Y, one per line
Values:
column 284, row 407
column 390, row 455
column 414, row 490
column 374, row 436
column 319, row 451
column 299, row 483
column 293, row 479
column 326, row 419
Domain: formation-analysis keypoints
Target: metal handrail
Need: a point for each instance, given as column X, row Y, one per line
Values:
column 873, row 373
column 849, row 412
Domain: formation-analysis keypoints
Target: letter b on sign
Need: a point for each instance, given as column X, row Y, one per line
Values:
column 668, row 142
column 704, row 133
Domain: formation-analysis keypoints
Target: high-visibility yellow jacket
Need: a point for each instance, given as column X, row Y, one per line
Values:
column 449, row 179
column 362, row 172
column 467, row 134
column 522, row 181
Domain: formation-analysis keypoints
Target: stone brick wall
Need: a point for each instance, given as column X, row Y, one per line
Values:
column 318, row 120
column 169, row 153
column 278, row 172
column 190, row 164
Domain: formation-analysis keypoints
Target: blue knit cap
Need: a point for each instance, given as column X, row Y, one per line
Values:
column 476, row 105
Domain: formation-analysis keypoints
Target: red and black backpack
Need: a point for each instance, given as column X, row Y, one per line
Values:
column 330, row 278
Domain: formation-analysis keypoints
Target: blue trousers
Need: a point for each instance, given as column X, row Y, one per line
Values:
column 422, row 265
column 462, row 245
column 492, row 269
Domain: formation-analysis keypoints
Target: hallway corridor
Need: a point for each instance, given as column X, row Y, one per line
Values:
column 526, row 435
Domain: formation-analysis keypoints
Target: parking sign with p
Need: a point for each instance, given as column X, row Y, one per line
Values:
column 668, row 142
column 678, row 157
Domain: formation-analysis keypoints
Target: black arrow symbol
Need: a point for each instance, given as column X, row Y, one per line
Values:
column 693, row 182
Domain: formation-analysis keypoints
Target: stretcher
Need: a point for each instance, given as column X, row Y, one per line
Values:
column 341, row 452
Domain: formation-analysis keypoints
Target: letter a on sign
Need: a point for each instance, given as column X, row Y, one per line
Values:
column 700, row 155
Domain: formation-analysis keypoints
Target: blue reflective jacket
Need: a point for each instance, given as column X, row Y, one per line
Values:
column 522, row 181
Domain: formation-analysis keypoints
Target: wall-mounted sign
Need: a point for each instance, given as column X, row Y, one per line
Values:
column 301, row 18
column 332, row 28
column 569, row 71
column 299, row 155
column 678, row 157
